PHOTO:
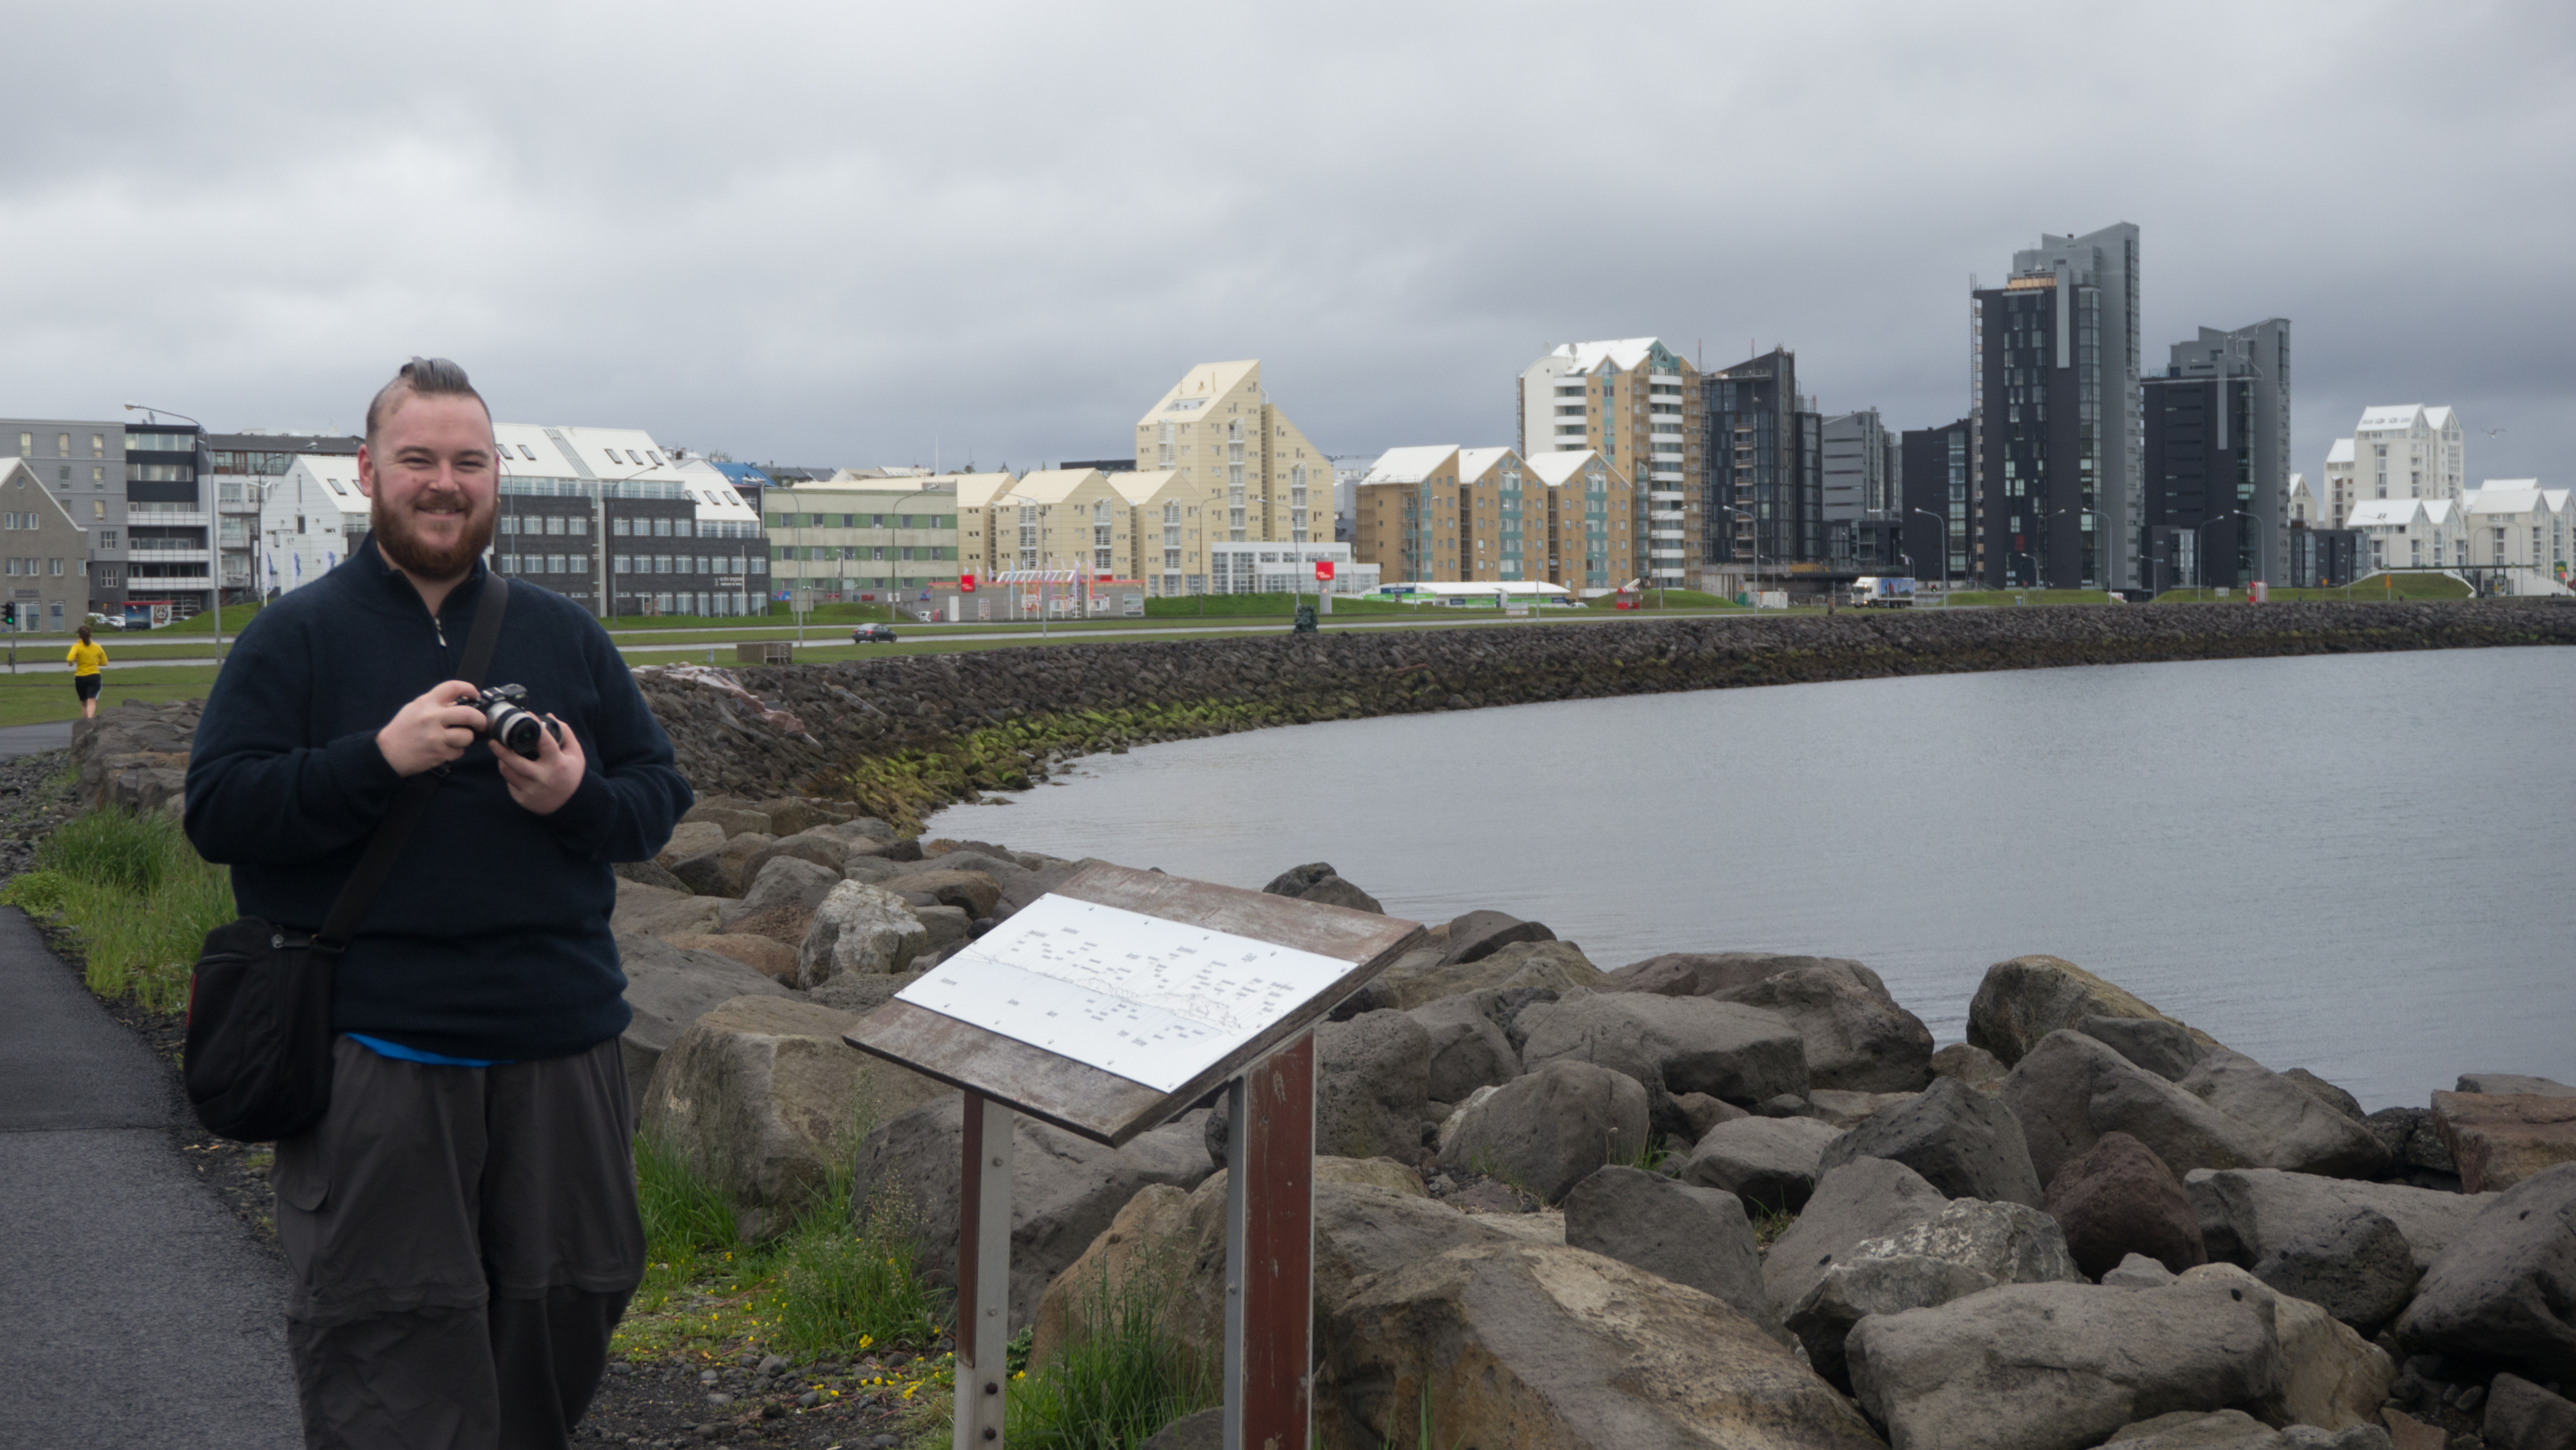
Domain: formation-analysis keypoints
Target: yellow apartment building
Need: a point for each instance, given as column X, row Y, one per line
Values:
column 853, row 540
column 1259, row 479
column 1582, row 521
column 1637, row 403
column 1167, row 549
column 1401, row 527
column 975, row 495
column 1063, row 518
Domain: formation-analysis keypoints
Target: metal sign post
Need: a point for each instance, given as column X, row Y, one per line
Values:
column 1107, row 1008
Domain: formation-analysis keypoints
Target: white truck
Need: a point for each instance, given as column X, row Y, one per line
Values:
column 1882, row 591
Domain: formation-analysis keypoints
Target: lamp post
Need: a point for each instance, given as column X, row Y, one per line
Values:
column 2200, row 551
column 1944, row 521
column 1757, row 553
column 214, row 576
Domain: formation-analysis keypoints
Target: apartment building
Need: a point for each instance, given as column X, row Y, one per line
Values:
column 1447, row 515
column 1638, row 404
column 2404, row 450
column 1401, row 526
column 1065, row 518
column 2516, row 526
column 41, row 544
column 1936, row 487
column 1582, row 522
column 1766, row 468
column 2300, row 504
column 168, row 554
column 976, row 525
column 2217, row 450
column 235, row 471
column 867, row 539
column 2339, row 490
column 309, row 518
column 82, row 461
column 1259, row 479
column 610, row 519
column 1861, row 465
column 1168, row 550
column 2410, row 533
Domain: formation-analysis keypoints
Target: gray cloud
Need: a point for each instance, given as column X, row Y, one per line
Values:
column 859, row 234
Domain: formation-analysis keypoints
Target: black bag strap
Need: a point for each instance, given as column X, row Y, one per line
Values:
column 377, row 866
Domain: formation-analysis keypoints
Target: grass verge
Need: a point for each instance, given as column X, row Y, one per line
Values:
column 136, row 898
column 33, row 699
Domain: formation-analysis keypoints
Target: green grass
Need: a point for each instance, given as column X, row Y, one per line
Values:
column 1121, row 1375
column 33, row 699
column 2374, row 589
column 136, row 898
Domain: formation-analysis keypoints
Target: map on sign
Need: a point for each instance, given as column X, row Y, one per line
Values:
column 1154, row 1001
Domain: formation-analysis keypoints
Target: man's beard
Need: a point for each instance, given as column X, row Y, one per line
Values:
column 406, row 550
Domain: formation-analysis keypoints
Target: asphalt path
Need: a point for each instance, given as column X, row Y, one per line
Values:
column 137, row 1311
column 17, row 740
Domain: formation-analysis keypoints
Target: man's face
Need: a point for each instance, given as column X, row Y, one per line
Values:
column 434, row 485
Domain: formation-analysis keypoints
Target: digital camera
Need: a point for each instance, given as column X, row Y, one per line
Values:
column 510, row 724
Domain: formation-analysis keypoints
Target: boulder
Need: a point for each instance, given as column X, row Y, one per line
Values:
column 643, row 910
column 859, row 928
column 2414, row 1143
column 2116, row 1201
column 2331, row 1378
column 2137, row 1271
column 1551, row 1128
column 772, row 959
column 1420, row 977
column 1703, row 1112
column 646, row 873
column 690, row 838
column 1974, row 1066
column 733, row 862
column 972, row 892
column 2293, row 1128
column 944, row 925
column 791, row 814
column 2165, row 1048
column 1968, row 1248
column 1869, row 1199
column 2247, row 1213
column 2500, row 1139
column 861, row 993
column 1847, row 1111
column 1693, row 1236
column 1770, row 1163
column 2327, row 1093
column 1546, row 1346
column 763, row 1098
column 2237, row 1430
column 2508, row 1084
column 668, row 988
column 729, row 819
column 827, row 852
column 2070, row 1089
column 1856, row 1040
column 1064, row 1189
column 1371, row 1091
column 1479, row 934
column 2505, row 1289
column 1319, row 882
column 2061, row 1366
column 704, row 874
column 1702, row 974
column 1964, row 1143
column 786, row 881
column 2523, row 1416
column 1204, row 1430
column 2023, row 1000
column 2356, row 1266
column 1690, row 1044
column 1468, row 1048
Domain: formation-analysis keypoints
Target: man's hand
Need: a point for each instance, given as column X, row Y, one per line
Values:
column 542, row 785
column 432, row 730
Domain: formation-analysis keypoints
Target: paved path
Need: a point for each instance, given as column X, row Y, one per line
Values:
column 134, row 1308
column 17, row 740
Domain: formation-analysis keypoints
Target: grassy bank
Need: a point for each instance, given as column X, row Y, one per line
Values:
column 135, row 897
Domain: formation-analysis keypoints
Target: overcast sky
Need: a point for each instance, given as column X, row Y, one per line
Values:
column 853, row 234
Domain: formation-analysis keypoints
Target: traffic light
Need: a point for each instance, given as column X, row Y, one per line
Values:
column 9, row 615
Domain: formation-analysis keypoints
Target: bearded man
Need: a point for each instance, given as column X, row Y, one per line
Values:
column 461, row 1225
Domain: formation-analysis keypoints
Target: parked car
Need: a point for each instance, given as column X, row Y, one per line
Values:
column 872, row 634
column 104, row 621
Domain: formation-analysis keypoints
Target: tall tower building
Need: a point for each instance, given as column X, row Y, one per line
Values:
column 1637, row 403
column 1766, row 489
column 1262, row 482
column 1861, row 467
column 2055, row 404
column 1937, row 477
column 2218, row 455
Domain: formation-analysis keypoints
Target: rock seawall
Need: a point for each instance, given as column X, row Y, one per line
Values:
column 904, row 735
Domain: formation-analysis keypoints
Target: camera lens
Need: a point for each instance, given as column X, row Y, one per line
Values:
column 517, row 729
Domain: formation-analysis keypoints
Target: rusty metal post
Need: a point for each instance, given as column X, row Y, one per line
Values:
column 1270, row 1251
column 983, row 1274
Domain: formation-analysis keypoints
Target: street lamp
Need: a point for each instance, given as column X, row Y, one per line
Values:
column 1757, row 553
column 214, row 575
column 1944, row 521
column 2200, row 552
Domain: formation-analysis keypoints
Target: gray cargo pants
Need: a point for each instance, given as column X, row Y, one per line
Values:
column 461, row 1241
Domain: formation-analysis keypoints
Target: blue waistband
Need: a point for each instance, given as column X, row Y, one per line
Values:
column 382, row 1048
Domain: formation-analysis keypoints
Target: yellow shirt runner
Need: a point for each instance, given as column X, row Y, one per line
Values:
column 86, row 658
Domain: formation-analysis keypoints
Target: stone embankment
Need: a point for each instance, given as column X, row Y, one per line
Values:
column 903, row 735
column 1711, row 1198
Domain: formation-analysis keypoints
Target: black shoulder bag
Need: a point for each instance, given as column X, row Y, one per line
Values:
column 258, row 1064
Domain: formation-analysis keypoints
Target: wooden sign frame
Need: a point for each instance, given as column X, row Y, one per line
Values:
column 1270, row 1146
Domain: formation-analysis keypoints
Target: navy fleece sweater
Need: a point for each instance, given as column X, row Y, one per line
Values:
column 491, row 940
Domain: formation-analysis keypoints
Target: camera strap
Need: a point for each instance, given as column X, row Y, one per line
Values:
column 377, row 865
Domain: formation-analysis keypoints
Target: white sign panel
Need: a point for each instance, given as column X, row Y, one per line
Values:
column 1151, row 1000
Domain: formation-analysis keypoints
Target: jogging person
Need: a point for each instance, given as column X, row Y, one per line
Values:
column 86, row 660
column 460, row 1228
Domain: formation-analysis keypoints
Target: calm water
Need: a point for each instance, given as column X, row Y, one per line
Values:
column 2354, row 864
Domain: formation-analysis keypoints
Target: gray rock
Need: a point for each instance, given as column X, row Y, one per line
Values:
column 644, row 910
column 1701, row 974
column 2225, row 1430
column 1479, row 934
column 1846, row 1110
column 2069, row 1089
column 859, row 928
column 2327, row 1093
column 2506, row 1288
column 2137, row 1271
column 874, row 870
column 1064, row 1189
column 784, row 881
column 1468, row 1047
column 2356, row 1266
column 1856, row 1040
column 2413, row 1140
column 862, row 992
column 1202, row 1431
column 1869, row 1199
column 2061, row 1366
column 1319, row 882
column 2245, row 1214
column 1970, row 1247
column 2507, row 1084
column 2164, row 1048
column 1419, row 977
column 1550, row 1129
column 1770, row 1163
column 2523, row 1416
column 1694, row 1236
column 647, row 873
column 1964, row 1143
column 1372, row 1087
column 1703, row 1112
column 2295, row 1129
column 944, row 924
column 1726, row 1050
column 825, row 851
column 1974, row 1066
column 666, row 990
column 703, row 872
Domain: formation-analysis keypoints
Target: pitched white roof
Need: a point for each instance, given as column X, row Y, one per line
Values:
column 2341, row 452
column 2384, row 513
column 2399, row 415
column 1139, row 487
column 1052, row 485
column 1624, row 353
column 1555, row 468
column 1473, row 462
column 1409, row 465
column 2508, row 496
column 2437, row 418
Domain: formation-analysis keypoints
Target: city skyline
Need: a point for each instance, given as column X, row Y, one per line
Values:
column 946, row 259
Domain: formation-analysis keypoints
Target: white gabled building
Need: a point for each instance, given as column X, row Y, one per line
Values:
column 2337, row 492
column 2516, row 525
column 2301, row 505
column 2408, row 451
column 308, row 518
column 2409, row 533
